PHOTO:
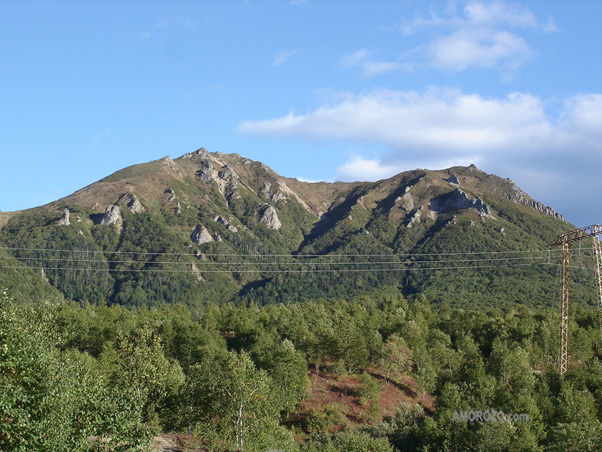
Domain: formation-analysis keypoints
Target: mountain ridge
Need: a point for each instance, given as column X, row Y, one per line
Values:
column 206, row 205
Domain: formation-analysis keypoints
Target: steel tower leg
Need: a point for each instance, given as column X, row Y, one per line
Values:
column 598, row 256
column 564, row 310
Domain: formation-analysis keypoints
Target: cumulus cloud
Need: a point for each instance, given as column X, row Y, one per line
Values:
column 481, row 35
column 515, row 136
column 478, row 48
column 434, row 121
column 360, row 168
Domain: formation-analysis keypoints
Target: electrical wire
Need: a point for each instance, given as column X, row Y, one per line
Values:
column 147, row 253
column 404, row 262
column 35, row 259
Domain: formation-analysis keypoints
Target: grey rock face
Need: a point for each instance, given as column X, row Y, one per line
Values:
column 201, row 235
column 407, row 202
column 272, row 195
column 228, row 174
column 453, row 179
column 416, row 217
column 111, row 216
column 458, row 200
column 221, row 220
column 206, row 171
column 65, row 218
column 520, row 197
column 266, row 189
column 226, row 179
column 202, row 152
column 171, row 194
column 196, row 272
column 270, row 218
column 132, row 203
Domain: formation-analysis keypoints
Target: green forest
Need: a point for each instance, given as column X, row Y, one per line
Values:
column 378, row 373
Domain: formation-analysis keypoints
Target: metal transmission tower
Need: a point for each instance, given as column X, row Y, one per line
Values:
column 564, row 240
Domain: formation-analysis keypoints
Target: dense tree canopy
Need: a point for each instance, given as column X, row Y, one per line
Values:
column 233, row 376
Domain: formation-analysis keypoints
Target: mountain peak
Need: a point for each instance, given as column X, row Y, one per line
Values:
column 205, row 204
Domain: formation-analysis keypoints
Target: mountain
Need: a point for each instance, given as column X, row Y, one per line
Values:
column 216, row 227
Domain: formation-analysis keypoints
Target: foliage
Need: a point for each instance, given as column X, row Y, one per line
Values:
column 53, row 401
column 233, row 376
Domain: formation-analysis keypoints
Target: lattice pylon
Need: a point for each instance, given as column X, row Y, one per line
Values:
column 598, row 257
column 564, row 311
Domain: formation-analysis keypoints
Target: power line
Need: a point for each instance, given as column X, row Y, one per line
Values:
column 265, row 255
column 205, row 263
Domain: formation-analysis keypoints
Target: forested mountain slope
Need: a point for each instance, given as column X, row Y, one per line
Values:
column 209, row 227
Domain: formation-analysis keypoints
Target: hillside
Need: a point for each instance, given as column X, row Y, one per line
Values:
column 210, row 227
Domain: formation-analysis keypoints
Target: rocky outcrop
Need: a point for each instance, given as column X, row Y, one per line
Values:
column 196, row 272
column 415, row 218
column 201, row 235
column 269, row 217
column 520, row 197
column 406, row 201
column 132, row 203
column 169, row 163
column 221, row 220
column 266, row 191
column 229, row 175
column 225, row 178
column 64, row 220
column 453, row 180
column 458, row 200
column 201, row 152
column 111, row 216
column 171, row 195
column 205, row 173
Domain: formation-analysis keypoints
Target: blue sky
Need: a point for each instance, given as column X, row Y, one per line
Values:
column 318, row 90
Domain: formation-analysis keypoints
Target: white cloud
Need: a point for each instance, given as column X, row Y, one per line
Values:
column 282, row 57
column 434, row 120
column 482, row 35
column 359, row 168
column 552, row 157
column 478, row 48
column 499, row 12
column 310, row 181
column 478, row 14
column 370, row 68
